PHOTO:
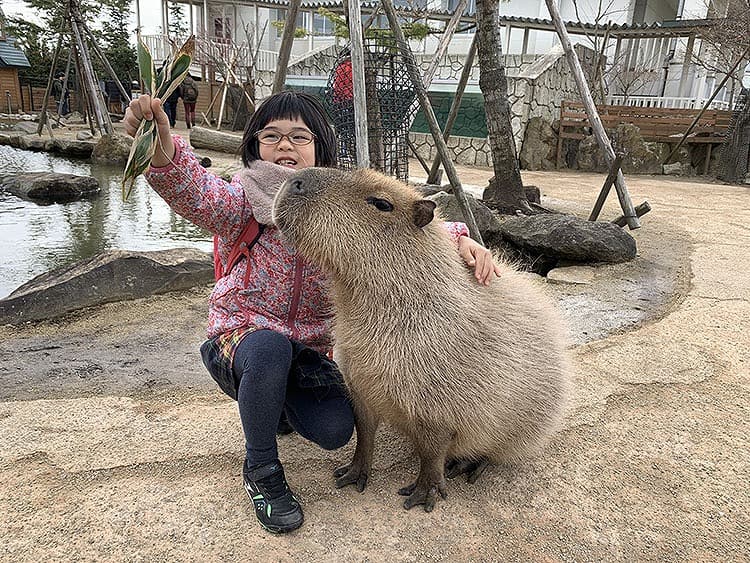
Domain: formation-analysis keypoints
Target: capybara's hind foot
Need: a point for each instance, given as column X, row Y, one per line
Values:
column 351, row 474
column 423, row 494
column 472, row 468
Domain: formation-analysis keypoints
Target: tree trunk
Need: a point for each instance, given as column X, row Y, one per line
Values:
column 733, row 163
column 202, row 138
column 505, row 192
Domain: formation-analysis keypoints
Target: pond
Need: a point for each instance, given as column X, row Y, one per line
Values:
column 38, row 238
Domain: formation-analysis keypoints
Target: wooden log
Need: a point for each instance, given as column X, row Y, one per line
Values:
column 220, row 141
column 424, row 102
column 596, row 122
column 640, row 210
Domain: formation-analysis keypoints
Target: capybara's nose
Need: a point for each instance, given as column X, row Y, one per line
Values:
column 297, row 187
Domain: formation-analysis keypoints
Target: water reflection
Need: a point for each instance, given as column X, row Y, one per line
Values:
column 36, row 238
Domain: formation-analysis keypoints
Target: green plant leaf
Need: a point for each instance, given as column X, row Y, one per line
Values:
column 146, row 64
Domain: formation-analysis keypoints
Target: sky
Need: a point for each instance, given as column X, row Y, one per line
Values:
column 150, row 14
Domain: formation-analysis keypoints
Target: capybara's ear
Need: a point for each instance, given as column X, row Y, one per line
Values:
column 423, row 212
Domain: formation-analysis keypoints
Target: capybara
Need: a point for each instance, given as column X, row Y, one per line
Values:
column 470, row 374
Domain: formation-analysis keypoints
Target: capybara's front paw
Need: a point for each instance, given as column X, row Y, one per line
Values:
column 425, row 494
column 351, row 474
column 472, row 468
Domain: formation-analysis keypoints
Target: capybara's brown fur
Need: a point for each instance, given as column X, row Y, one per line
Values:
column 467, row 372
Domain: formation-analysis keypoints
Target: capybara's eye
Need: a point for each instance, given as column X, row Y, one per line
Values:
column 380, row 204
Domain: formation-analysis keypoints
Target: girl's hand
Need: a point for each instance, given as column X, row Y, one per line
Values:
column 478, row 257
column 147, row 108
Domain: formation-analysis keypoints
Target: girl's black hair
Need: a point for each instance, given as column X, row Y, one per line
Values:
column 292, row 105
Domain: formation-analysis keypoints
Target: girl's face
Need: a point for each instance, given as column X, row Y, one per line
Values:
column 289, row 149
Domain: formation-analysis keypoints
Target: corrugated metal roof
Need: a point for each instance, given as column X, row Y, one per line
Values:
column 671, row 26
column 12, row 56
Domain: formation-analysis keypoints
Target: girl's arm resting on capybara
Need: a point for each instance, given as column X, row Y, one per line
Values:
column 198, row 195
column 474, row 254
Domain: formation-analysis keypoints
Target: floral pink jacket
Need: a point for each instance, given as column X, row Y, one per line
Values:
column 284, row 293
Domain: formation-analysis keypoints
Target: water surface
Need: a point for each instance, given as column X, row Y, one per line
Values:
column 38, row 238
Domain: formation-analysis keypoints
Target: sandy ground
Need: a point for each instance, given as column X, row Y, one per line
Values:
column 115, row 445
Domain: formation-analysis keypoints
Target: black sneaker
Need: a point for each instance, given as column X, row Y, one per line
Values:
column 277, row 509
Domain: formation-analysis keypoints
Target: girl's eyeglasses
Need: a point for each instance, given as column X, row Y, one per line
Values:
column 297, row 137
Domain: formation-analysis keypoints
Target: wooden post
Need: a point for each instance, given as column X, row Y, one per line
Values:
column 358, row 85
column 43, row 114
column 450, row 29
column 606, row 187
column 287, row 39
column 442, row 148
column 105, row 62
column 594, row 119
column 432, row 177
column 640, row 210
column 95, row 98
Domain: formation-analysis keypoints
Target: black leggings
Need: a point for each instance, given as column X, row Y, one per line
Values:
column 262, row 364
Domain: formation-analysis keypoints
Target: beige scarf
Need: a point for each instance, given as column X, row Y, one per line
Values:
column 261, row 180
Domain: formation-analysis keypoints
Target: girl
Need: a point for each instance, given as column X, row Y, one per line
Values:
column 269, row 334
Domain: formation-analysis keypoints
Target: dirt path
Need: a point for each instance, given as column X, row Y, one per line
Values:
column 114, row 444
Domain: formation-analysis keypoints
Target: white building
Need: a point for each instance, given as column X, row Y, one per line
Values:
column 652, row 46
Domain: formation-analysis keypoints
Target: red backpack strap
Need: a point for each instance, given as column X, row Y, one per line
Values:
column 241, row 249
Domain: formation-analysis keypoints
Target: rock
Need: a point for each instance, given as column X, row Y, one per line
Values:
column 34, row 143
column 569, row 238
column 25, row 127
column 533, row 194
column 112, row 149
column 539, row 147
column 112, row 276
column 675, row 169
column 80, row 149
column 51, row 187
column 574, row 275
column 73, row 118
column 487, row 221
column 639, row 157
column 84, row 136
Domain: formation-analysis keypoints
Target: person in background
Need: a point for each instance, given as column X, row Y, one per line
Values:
column 189, row 94
column 61, row 95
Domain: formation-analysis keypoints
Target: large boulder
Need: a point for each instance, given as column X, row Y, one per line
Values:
column 112, row 276
column 639, row 157
column 566, row 237
column 34, row 143
column 79, row 149
column 487, row 221
column 50, row 187
column 539, row 148
column 26, row 127
column 112, row 149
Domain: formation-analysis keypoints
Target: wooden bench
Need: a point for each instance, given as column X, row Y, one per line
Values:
column 664, row 125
